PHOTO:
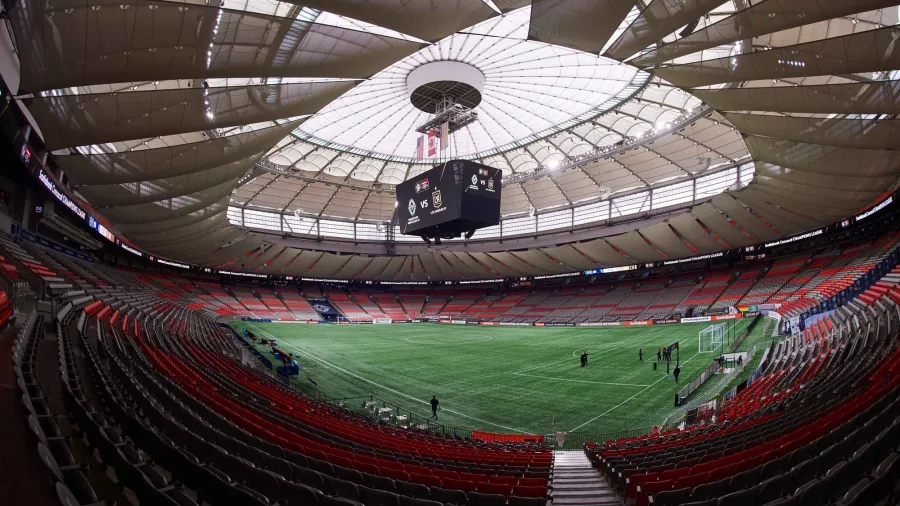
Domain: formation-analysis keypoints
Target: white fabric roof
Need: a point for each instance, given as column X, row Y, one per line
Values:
column 804, row 92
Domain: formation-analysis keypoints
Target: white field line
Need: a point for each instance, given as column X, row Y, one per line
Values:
column 580, row 381
column 617, row 406
column 602, row 347
column 328, row 364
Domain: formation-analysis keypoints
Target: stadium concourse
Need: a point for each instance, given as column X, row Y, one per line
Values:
column 200, row 202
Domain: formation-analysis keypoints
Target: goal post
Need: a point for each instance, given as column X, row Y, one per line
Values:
column 711, row 338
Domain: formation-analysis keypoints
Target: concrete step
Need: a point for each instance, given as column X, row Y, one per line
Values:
column 576, row 483
column 599, row 488
column 584, row 501
column 575, row 477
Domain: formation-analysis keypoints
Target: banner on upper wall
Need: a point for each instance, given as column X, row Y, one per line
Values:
column 48, row 243
column 794, row 325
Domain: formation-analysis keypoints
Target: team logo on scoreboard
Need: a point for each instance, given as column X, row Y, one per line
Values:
column 490, row 184
column 436, row 199
column 422, row 186
column 411, row 207
column 474, row 179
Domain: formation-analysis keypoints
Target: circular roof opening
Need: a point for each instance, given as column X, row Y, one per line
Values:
column 442, row 81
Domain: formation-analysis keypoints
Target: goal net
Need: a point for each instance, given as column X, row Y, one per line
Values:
column 712, row 338
column 381, row 320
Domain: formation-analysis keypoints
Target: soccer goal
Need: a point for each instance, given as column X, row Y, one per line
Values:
column 382, row 320
column 712, row 338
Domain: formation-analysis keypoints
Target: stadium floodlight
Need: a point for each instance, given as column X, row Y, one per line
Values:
column 711, row 338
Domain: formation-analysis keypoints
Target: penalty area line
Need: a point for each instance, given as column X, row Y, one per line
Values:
column 389, row 389
column 617, row 406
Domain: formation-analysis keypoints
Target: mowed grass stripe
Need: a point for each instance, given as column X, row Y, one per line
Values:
column 500, row 378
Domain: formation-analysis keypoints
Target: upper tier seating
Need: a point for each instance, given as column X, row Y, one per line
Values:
column 298, row 306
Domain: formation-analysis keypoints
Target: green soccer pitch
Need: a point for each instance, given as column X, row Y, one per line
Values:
column 499, row 379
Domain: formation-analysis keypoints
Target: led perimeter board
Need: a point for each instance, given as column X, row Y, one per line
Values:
column 455, row 198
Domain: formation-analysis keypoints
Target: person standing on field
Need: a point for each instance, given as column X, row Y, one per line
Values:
column 676, row 372
column 434, row 406
column 659, row 354
column 641, row 355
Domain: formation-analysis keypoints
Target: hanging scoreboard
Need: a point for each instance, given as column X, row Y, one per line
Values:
column 449, row 200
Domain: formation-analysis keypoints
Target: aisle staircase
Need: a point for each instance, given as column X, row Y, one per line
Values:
column 575, row 482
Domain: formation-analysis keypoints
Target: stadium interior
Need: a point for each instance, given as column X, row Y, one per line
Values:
column 240, row 251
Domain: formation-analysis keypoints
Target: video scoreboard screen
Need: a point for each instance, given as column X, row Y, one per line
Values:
column 451, row 199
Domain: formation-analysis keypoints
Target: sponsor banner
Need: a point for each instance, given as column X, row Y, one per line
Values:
column 694, row 258
column 800, row 237
column 667, row 322
column 514, row 324
column 695, row 319
column 416, row 320
column 557, row 324
column 470, row 322
column 51, row 187
column 553, row 276
column 875, row 209
column 539, row 324
column 751, row 314
column 734, row 316
column 489, row 324
column 304, row 322
column 638, row 323
column 600, row 324
column 458, row 322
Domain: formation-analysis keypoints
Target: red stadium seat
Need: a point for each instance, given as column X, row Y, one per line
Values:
column 464, row 485
column 529, row 491
column 494, row 488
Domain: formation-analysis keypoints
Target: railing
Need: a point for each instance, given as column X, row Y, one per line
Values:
column 576, row 440
column 388, row 413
